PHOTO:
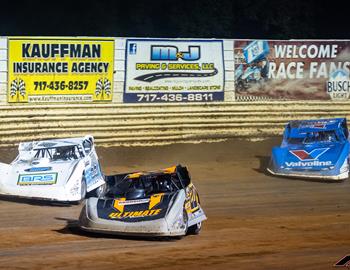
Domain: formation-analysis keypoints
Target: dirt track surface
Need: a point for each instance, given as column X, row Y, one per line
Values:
column 255, row 221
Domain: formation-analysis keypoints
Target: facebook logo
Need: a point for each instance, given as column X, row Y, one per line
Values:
column 132, row 48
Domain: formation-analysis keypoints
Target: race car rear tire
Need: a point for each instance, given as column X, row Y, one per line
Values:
column 195, row 229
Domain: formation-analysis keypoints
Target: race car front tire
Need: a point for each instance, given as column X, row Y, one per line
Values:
column 83, row 190
column 98, row 191
column 195, row 229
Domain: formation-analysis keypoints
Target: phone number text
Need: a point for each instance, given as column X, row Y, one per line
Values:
column 60, row 85
column 184, row 97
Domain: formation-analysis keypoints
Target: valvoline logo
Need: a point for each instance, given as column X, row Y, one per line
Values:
column 308, row 156
column 307, row 159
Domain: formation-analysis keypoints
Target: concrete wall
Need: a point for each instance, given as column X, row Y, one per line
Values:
column 117, row 124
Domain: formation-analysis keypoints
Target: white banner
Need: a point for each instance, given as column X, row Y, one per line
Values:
column 160, row 70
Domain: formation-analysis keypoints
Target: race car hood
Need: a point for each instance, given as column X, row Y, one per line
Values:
column 134, row 210
column 310, row 157
column 26, row 173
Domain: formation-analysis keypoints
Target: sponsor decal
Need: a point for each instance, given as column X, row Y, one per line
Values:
column 192, row 199
column 132, row 48
column 168, row 53
column 291, row 69
column 118, row 206
column 47, row 144
column 154, row 200
column 132, row 202
column 135, row 214
column 315, row 163
column 318, row 124
column 37, row 179
column 343, row 262
column 308, row 159
column 164, row 70
column 338, row 85
column 256, row 50
column 60, row 69
column 172, row 53
column 38, row 169
column 308, row 156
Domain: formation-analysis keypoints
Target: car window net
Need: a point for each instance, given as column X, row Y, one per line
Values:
column 63, row 153
column 316, row 137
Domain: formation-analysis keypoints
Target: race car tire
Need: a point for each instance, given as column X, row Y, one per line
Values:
column 185, row 217
column 98, row 191
column 195, row 229
column 83, row 189
column 83, row 192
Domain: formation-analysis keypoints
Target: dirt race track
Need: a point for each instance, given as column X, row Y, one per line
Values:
column 255, row 221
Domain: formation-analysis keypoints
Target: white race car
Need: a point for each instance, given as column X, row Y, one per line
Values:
column 62, row 170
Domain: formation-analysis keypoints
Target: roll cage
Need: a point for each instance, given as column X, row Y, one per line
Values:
column 147, row 183
column 298, row 132
column 71, row 152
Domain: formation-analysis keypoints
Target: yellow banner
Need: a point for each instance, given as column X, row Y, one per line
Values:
column 60, row 69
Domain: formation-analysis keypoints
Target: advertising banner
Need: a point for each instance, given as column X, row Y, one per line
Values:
column 292, row 70
column 60, row 69
column 159, row 70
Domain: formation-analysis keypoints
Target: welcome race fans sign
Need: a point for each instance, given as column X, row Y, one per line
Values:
column 300, row 70
column 60, row 69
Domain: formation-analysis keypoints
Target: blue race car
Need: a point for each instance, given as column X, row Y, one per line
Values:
column 313, row 149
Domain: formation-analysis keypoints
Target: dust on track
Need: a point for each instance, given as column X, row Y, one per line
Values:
column 255, row 221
